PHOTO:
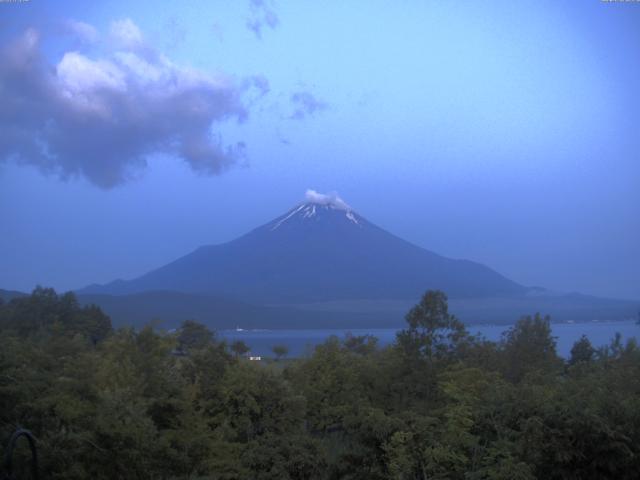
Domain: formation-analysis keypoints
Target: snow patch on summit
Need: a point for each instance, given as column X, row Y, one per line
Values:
column 315, row 204
column 309, row 211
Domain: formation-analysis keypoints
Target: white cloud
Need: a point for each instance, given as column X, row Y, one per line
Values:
column 84, row 32
column 79, row 75
column 126, row 34
column 144, row 71
column 331, row 198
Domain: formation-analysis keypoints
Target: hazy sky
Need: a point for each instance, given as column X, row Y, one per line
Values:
column 506, row 132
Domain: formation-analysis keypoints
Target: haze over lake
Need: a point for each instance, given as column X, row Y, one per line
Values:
column 302, row 342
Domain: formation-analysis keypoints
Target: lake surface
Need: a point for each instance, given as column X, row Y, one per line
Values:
column 302, row 342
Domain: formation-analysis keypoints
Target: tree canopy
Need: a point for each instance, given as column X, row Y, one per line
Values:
column 437, row 404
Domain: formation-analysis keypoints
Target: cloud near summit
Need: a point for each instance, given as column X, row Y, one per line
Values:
column 101, row 116
column 331, row 198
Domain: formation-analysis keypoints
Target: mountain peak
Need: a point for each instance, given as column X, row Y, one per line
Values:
column 316, row 206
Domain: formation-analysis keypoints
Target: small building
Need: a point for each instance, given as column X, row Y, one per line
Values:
column 255, row 359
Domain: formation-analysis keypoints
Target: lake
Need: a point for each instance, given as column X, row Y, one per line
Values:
column 302, row 342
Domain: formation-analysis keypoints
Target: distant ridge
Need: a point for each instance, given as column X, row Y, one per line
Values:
column 7, row 295
column 167, row 310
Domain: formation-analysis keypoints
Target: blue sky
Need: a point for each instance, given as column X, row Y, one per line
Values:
column 502, row 132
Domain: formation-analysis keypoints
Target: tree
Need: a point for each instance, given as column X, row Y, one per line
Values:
column 360, row 344
column 239, row 348
column 280, row 351
column 92, row 322
column 258, row 401
column 347, row 411
column 432, row 332
column 44, row 311
column 582, row 351
column 329, row 381
column 529, row 346
column 194, row 335
column 284, row 457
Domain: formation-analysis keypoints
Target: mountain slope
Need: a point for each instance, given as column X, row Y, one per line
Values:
column 318, row 251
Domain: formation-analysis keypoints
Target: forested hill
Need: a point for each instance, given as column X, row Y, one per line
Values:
column 6, row 295
column 437, row 403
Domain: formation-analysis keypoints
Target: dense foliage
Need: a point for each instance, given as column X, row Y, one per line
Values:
column 437, row 404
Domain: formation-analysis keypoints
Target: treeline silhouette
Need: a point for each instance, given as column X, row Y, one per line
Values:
column 437, row 404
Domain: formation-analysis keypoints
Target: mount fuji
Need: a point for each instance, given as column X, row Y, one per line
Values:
column 321, row 250
column 322, row 265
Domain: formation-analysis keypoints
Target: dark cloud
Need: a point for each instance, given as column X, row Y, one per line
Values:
column 260, row 83
column 305, row 104
column 262, row 15
column 102, row 117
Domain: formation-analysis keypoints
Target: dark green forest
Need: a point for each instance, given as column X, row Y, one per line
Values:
column 437, row 404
